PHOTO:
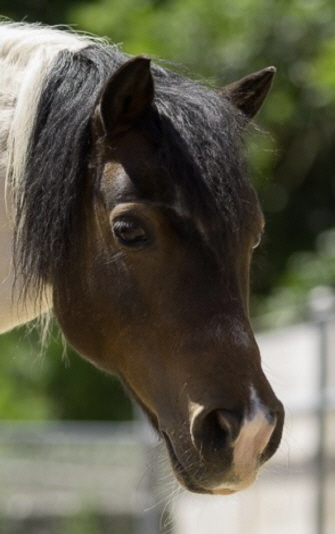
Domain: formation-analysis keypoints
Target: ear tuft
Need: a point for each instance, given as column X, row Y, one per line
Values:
column 249, row 93
column 126, row 96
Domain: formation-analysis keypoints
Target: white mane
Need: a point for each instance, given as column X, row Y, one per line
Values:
column 26, row 53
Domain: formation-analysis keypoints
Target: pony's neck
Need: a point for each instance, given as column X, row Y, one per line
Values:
column 13, row 311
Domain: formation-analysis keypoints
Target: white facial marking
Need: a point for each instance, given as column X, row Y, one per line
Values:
column 194, row 410
column 254, row 436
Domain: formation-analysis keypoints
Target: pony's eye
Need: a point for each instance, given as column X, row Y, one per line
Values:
column 257, row 241
column 130, row 232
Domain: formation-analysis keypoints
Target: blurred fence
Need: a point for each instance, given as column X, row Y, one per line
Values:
column 76, row 478
column 101, row 479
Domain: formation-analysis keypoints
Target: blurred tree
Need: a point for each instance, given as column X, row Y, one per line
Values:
column 37, row 384
column 22, row 392
column 47, row 11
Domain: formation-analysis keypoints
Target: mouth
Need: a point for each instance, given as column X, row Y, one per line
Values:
column 185, row 478
column 182, row 475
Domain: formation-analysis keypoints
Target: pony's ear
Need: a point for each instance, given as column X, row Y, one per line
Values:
column 126, row 96
column 249, row 93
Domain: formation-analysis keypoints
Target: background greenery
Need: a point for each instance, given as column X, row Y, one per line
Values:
column 291, row 161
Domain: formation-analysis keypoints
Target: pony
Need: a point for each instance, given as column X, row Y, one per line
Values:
column 126, row 209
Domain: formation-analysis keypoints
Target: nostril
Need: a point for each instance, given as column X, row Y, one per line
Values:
column 272, row 417
column 230, row 422
column 215, row 430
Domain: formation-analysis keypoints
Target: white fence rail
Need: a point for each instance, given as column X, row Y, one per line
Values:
column 90, row 472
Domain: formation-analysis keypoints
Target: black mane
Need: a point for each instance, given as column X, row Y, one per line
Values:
column 202, row 149
column 200, row 126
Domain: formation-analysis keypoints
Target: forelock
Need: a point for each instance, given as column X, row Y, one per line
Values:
column 203, row 152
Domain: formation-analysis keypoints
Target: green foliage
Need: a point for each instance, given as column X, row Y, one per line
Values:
column 306, row 272
column 36, row 384
column 49, row 12
column 84, row 523
column 22, row 392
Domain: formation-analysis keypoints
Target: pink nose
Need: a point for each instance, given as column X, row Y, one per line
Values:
column 248, row 440
column 252, row 441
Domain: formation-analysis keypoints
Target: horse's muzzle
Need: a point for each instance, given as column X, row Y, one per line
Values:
column 223, row 449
